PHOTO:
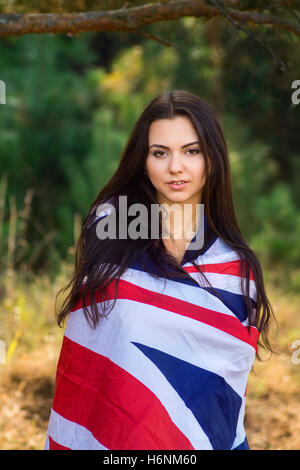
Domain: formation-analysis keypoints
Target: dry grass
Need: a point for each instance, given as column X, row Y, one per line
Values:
column 26, row 390
column 27, row 378
column 273, row 403
column 26, row 394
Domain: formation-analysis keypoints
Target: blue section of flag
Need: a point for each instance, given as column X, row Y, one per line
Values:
column 243, row 446
column 210, row 398
column 235, row 302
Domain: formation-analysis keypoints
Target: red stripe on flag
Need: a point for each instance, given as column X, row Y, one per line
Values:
column 231, row 267
column 53, row 445
column 224, row 322
column 119, row 410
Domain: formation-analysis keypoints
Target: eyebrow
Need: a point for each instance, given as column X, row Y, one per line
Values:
column 165, row 147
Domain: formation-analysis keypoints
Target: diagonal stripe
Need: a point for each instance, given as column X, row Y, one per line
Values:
column 234, row 302
column 53, row 445
column 228, row 287
column 228, row 324
column 178, row 335
column 243, row 446
column 224, row 281
column 213, row 402
column 70, row 435
column 231, row 267
column 89, row 386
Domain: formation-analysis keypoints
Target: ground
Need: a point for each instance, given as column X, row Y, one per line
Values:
column 272, row 418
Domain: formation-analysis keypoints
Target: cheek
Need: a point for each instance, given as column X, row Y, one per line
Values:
column 154, row 170
column 199, row 169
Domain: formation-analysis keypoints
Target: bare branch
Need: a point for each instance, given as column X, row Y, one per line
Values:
column 225, row 12
column 155, row 38
column 265, row 5
column 133, row 19
column 260, row 18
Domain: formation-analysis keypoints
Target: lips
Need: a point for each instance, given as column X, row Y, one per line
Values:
column 177, row 181
column 177, row 186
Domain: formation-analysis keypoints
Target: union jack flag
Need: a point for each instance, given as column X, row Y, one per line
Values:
column 166, row 369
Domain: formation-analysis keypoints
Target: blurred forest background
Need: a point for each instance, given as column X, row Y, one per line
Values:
column 71, row 101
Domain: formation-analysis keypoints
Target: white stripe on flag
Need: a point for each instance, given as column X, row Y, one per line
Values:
column 70, row 434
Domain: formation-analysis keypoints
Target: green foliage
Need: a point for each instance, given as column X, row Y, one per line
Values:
column 267, row 213
column 279, row 234
column 47, row 115
column 71, row 103
column 86, row 181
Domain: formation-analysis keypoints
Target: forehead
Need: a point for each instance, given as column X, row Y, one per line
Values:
column 176, row 132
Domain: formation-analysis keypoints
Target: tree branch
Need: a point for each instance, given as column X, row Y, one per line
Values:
column 260, row 18
column 131, row 19
column 224, row 11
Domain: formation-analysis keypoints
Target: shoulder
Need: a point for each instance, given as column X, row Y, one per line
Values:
column 220, row 251
column 224, row 265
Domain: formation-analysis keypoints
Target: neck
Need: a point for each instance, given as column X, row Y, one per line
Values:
column 180, row 220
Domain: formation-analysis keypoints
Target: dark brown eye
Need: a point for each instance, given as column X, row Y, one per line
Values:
column 196, row 150
column 158, row 151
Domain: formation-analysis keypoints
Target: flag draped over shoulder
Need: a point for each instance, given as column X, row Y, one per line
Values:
column 166, row 369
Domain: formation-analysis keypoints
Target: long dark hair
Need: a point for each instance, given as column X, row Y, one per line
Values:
column 100, row 261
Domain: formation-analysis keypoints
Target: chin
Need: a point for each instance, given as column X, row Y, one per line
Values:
column 172, row 196
column 177, row 198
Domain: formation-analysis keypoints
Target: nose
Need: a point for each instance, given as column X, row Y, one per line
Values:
column 175, row 166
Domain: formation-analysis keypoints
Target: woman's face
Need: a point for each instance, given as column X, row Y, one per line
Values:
column 175, row 154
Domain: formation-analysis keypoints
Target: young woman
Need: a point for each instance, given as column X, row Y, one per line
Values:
column 161, row 333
